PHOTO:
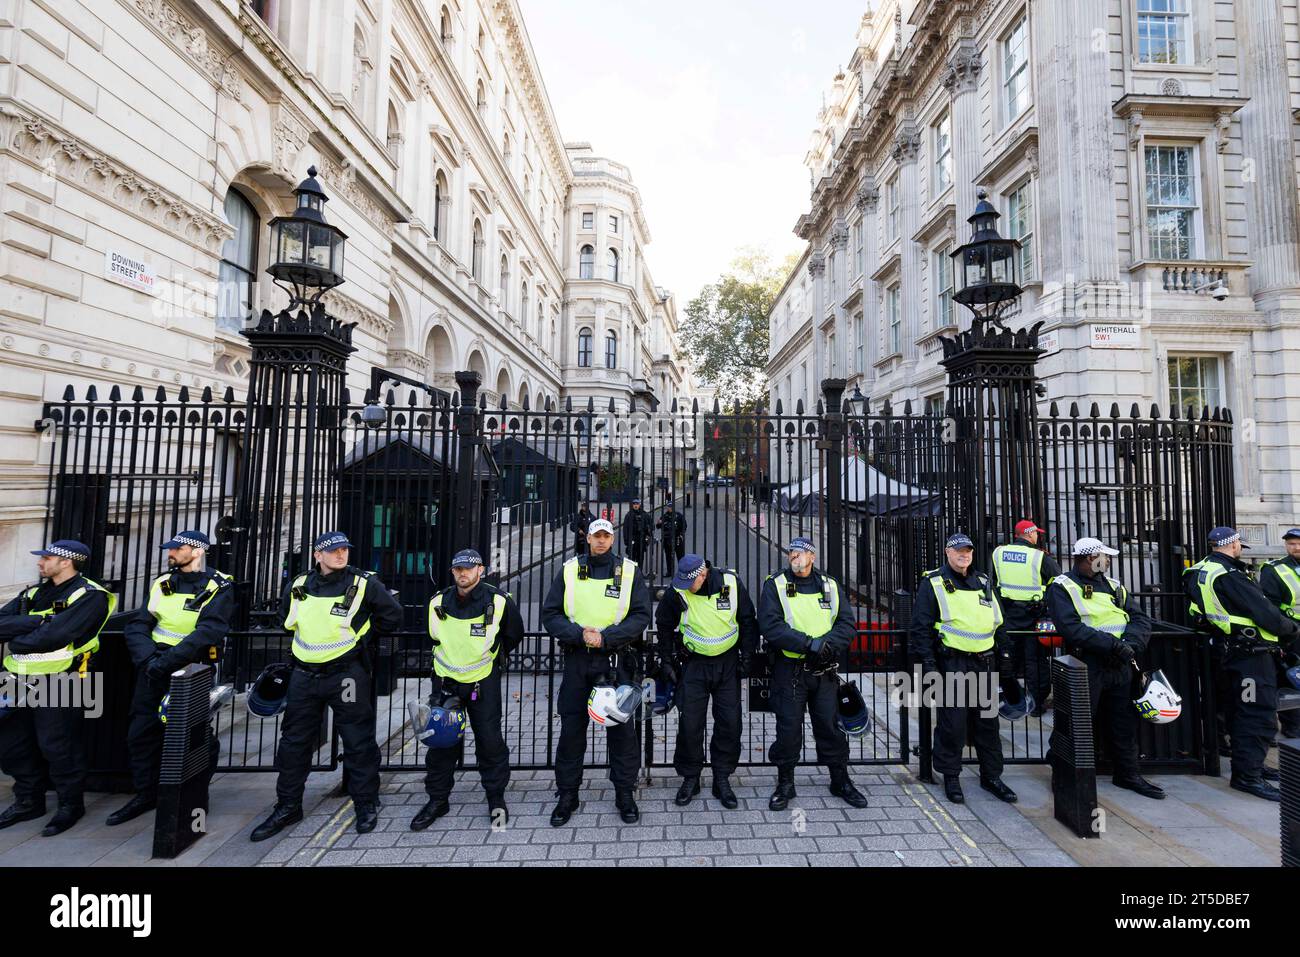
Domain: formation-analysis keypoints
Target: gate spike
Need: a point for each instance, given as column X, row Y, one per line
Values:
column 611, row 405
column 1114, row 410
column 137, row 394
column 184, row 395
column 1227, row 415
column 716, row 408
column 1173, row 413
column 798, row 407
column 735, row 407
column 778, row 406
column 207, row 394
column 1094, row 412
column 503, row 401
column 1205, row 413
column 410, row 399
column 1074, row 410
column 1155, row 411
column 482, row 401
column 229, row 395
column 69, row 394
column 1053, row 411
column 907, row 407
column 820, row 410
column 161, row 395
column 591, row 403
column 673, row 408
column 695, row 406
column 391, row 399
column 1136, row 413
column 92, row 394
column 525, row 406
column 115, row 394
column 346, row 397
column 568, row 403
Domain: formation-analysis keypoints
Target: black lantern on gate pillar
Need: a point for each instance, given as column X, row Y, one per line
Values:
column 306, row 251
column 986, row 267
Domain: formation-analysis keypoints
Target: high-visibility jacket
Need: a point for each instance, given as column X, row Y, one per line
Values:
column 1020, row 572
column 1290, row 577
column 597, row 602
column 322, row 627
column 812, row 613
column 969, row 618
column 176, row 614
column 466, row 647
column 1098, row 609
column 52, row 662
column 1206, row 601
column 708, row 625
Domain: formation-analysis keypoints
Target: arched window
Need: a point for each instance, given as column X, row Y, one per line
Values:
column 612, row 261
column 444, row 27
column 524, row 313
column 611, row 351
column 505, row 147
column 541, row 318
column 476, row 263
column 480, row 98
column 584, row 347
column 587, row 263
column 238, row 264
column 505, row 283
column 441, row 206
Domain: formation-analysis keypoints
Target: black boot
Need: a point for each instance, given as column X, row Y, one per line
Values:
column 281, row 817
column 1258, row 788
column 564, row 808
column 842, row 787
column 498, row 813
column 625, row 801
column 429, row 813
column 784, row 793
column 367, row 816
column 21, row 811
column 998, row 789
column 1140, row 785
column 142, row 803
column 66, row 816
column 952, row 788
column 690, row 787
column 1270, row 774
column 722, row 791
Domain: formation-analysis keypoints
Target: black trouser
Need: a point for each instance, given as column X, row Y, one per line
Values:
column 345, row 688
column 1032, row 658
column 1114, row 718
column 583, row 670
column 674, row 548
column 144, row 735
column 490, row 750
column 636, row 550
column 956, row 721
column 40, row 745
column 703, row 677
column 1250, row 707
column 794, row 689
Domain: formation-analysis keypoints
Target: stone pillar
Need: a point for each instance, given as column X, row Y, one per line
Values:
column 961, row 80
column 1266, row 140
column 869, row 203
column 840, row 243
column 1076, row 219
column 906, row 145
column 817, row 270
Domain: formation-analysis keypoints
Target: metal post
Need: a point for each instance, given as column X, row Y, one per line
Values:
column 833, row 445
column 467, row 443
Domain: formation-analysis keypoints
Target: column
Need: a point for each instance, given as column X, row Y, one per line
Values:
column 961, row 80
column 817, row 270
column 869, row 202
column 906, row 145
column 840, row 243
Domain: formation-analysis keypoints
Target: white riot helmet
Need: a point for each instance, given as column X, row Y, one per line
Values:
column 607, row 705
column 1158, row 702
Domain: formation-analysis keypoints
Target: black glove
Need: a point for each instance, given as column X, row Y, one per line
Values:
column 668, row 672
column 1123, row 653
column 158, row 670
column 746, row 664
column 814, row 648
column 828, row 657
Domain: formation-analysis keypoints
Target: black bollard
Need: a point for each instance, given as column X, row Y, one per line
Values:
column 1073, row 759
column 1288, row 762
column 188, row 758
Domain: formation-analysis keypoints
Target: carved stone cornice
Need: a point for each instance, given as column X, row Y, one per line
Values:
column 192, row 42
column 817, row 265
column 292, row 132
column 61, row 154
column 411, row 360
column 964, row 65
column 907, row 143
column 868, row 196
column 342, row 179
column 840, row 235
column 349, row 310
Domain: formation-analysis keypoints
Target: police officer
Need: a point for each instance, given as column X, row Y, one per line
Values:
column 957, row 604
column 1280, row 580
column 1022, row 571
column 51, row 629
column 636, row 532
column 672, row 536
column 709, row 630
column 597, row 609
column 186, row 617
column 1101, row 624
column 581, row 522
column 1227, row 603
column 330, row 611
column 805, row 618
column 473, row 626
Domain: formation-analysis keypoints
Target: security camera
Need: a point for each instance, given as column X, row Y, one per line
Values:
column 1219, row 291
column 373, row 416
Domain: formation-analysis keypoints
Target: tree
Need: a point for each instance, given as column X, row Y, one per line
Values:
column 726, row 332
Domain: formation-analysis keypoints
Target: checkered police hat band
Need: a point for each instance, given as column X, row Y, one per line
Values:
column 331, row 542
column 66, row 553
column 192, row 542
column 1227, row 541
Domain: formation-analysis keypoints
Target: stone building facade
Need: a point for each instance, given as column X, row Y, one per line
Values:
column 1144, row 152
column 146, row 144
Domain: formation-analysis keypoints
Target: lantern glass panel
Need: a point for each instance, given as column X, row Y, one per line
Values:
column 291, row 241
column 336, row 263
column 319, row 251
column 975, row 271
column 1001, row 265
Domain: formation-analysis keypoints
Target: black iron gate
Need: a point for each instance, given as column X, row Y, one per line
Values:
column 412, row 475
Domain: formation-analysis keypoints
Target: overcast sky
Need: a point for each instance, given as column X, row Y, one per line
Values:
column 710, row 103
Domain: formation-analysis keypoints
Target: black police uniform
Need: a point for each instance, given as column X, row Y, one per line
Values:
column 672, row 536
column 1031, row 655
column 585, row 667
column 43, row 745
column 155, row 663
column 482, row 699
column 702, row 676
column 1110, row 676
column 579, row 526
column 953, row 724
column 636, row 533
column 1275, row 590
column 796, row 682
column 313, row 687
column 1248, row 663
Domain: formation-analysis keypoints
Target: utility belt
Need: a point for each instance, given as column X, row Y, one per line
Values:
column 334, row 665
column 981, row 658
